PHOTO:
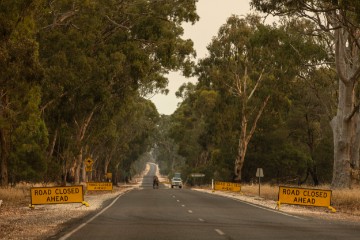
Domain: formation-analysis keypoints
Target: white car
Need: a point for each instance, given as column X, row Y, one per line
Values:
column 176, row 182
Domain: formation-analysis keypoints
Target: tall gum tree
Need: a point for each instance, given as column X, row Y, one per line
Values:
column 19, row 67
column 98, row 52
column 341, row 21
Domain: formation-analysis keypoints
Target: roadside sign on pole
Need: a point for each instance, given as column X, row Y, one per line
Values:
column 89, row 161
column 259, row 172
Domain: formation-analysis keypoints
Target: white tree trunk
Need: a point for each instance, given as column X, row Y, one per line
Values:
column 345, row 125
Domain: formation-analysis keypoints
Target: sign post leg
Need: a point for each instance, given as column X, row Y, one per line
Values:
column 259, row 186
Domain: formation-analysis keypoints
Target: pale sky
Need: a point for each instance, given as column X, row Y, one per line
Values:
column 213, row 14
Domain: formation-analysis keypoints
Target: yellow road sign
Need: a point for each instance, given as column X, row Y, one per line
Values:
column 227, row 186
column 89, row 162
column 99, row 186
column 88, row 168
column 108, row 175
column 54, row 195
column 304, row 196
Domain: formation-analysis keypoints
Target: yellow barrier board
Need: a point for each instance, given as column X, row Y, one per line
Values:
column 304, row 196
column 99, row 186
column 227, row 186
column 56, row 195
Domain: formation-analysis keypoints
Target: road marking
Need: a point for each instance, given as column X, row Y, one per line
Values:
column 201, row 220
column 264, row 208
column 190, row 211
column 221, row 233
column 173, row 196
column 88, row 221
column 183, row 205
column 178, row 200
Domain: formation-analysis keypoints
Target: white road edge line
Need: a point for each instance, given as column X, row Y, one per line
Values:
column 268, row 209
column 91, row 219
column 221, row 233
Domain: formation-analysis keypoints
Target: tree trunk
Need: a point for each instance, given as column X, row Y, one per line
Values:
column 245, row 138
column 4, row 141
column 4, row 157
column 81, row 130
column 78, row 163
column 345, row 138
column 345, row 125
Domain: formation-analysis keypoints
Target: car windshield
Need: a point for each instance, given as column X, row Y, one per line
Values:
column 177, row 179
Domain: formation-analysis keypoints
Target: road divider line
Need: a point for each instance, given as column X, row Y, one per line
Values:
column 221, row 233
column 66, row 236
column 183, row 205
column 201, row 220
column 189, row 211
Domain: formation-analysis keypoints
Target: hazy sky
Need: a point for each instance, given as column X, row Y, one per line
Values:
column 213, row 14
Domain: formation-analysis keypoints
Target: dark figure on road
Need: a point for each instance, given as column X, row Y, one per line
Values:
column 155, row 182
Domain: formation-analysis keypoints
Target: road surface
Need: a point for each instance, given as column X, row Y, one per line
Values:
column 172, row 214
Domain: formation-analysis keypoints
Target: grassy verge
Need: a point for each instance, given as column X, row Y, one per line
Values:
column 14, row 196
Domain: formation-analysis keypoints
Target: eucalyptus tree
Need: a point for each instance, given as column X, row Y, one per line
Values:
column 20, row 71
column 340, row 21
column 248, row 63
column 97, row 51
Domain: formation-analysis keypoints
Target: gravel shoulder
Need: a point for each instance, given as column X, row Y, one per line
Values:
column 45, row 221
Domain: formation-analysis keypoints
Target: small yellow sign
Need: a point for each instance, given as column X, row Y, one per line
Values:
column 227, row 186
column 55, row 195
column 304, row 196
column 89, row 162
column 108, row 175
column 99, row 186
column 88, row 168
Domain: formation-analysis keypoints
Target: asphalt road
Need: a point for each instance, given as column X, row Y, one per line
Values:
column 172, row 214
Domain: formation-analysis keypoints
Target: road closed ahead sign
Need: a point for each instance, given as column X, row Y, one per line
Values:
column 99, row 186
column 53, row 195
column 304, row 196
column 227, row 186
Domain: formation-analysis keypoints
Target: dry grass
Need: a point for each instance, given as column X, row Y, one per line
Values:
column 344, row 200
column 13, row 196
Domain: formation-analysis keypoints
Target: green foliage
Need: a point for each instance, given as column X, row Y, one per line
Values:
column 292, row 138
column 93, row 60
column 30, row 140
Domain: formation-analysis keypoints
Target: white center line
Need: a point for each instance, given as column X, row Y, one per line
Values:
column 178, row 200
column 190, row 211
column 183, row 205
column 201, row 220
column 219, row 232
